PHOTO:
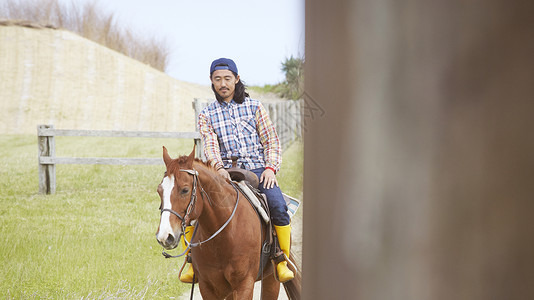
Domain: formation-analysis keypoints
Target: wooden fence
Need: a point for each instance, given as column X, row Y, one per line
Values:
column 48, row 159
column 286, row 116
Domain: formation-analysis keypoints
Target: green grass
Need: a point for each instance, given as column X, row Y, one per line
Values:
column 290, row 174
column 94, row 238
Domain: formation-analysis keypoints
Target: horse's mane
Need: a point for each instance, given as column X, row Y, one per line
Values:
column 180, row 161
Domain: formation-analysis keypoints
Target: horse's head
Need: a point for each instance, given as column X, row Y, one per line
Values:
column 178, row 195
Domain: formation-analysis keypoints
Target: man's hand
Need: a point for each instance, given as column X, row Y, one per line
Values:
column 268, row 178
column 224, row 173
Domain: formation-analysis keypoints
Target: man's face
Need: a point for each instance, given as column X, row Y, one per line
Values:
column 224, row 82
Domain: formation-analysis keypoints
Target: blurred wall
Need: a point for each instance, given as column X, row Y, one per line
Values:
column 56, row 77
column 419, row 150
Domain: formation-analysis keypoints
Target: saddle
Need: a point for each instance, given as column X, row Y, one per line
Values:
column 248, row 183
column 239, row 174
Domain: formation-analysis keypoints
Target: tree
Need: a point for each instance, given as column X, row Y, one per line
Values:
column 293, row 86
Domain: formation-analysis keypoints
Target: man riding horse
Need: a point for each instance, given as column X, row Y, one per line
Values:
column 236, row 125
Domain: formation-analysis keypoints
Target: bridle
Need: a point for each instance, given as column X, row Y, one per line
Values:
column 192, row 200
column 190, row 207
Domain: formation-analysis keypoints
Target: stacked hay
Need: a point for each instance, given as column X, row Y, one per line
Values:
column 51, row 76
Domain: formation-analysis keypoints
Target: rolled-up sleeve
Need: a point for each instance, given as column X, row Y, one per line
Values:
column 210, row 141
column 269, row 139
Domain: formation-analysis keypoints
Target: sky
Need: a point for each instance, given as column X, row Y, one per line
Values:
column 257, row 35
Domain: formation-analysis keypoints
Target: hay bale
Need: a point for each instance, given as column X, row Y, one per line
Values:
column 57, row 77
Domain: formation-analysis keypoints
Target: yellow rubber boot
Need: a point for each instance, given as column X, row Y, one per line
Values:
column 284, row 238
column 187, row 276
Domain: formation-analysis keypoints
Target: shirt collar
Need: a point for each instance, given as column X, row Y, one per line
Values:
column 228, row 104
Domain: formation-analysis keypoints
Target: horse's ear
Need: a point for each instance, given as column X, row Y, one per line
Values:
column 166, row 158
column 191, row 157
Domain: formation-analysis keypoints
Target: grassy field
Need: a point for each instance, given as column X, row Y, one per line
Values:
column 94, row 238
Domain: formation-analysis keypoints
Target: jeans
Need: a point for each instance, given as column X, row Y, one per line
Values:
column 275, row 200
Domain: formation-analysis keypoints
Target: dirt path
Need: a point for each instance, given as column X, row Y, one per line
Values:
column 296, row 234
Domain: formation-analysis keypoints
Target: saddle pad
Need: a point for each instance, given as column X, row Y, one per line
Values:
column 293, row 205
column 250, row 195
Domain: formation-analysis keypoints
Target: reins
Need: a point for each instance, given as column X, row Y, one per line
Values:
column 190, row 208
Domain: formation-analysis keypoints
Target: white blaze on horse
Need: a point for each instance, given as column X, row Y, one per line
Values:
column 166, row 235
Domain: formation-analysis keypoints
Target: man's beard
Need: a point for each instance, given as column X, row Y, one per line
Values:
column 217, row 96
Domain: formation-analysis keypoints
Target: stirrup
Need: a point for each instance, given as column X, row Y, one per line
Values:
column 277, row 260
column 186, row 261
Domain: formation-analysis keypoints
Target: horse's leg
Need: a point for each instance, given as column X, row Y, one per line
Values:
column 245, row 290
column 270, row 289
column 242, row 294
column 207, row 291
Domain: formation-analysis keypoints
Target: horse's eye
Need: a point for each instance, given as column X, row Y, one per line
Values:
column 184, row 191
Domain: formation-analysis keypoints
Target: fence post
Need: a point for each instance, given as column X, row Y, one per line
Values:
column 198, row 106
column 280, row 124
column 198, row 147
column 298, row 116
column 47, row 172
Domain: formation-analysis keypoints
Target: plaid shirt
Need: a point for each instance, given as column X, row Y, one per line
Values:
column 243, row 130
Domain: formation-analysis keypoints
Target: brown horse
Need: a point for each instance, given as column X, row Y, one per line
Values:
column 227, row 244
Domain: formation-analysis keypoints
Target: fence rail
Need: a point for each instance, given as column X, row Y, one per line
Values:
column 286, row 116
column 47, row 148
column 115, row 133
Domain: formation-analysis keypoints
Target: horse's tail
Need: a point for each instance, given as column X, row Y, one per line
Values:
column 293, row 287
